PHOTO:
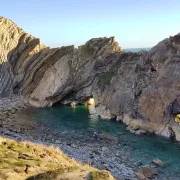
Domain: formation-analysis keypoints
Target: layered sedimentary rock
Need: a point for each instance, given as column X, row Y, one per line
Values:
column 140, row 89
column 10, row 36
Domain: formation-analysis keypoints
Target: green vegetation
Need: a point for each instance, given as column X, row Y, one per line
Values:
column 86, row 51
column 105, row 79
column 100, row 175
column 29, row 161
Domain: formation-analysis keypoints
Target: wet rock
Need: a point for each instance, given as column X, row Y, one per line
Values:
column 158, row 162
column 139, row 163
column 146, row 173
column 138, row 132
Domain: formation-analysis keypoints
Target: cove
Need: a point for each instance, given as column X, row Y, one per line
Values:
column 83, row 121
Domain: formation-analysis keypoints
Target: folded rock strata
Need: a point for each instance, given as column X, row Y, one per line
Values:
column 140, row 89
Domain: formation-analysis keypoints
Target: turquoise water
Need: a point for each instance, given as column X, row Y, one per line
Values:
column 83, row 119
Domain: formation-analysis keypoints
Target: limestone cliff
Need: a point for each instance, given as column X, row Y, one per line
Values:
column 10, row 36
column 140, row 89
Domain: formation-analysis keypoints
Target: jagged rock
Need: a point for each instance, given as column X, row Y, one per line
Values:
column 140, row 89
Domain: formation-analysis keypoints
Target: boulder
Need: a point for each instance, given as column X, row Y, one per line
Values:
column 158, row 162
column 145, row 173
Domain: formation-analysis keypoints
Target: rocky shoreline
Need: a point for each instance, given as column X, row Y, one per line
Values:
column 10, row 103
column 103, row 153
column 99, row 154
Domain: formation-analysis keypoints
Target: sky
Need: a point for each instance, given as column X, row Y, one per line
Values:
column 134, row 23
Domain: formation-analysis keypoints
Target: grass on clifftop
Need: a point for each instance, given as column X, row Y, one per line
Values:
column 29, row 161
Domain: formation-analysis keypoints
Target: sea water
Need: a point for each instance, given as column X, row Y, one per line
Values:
column 84, row 119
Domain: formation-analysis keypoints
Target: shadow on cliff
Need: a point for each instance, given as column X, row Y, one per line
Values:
column 6, row 77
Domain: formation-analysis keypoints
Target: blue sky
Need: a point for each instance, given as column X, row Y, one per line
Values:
column 134, row 23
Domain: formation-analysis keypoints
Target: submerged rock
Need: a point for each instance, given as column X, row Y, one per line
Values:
column 158, row 162
column 145, row 173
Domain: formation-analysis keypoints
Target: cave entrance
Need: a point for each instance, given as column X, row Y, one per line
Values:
column 90, row 101
column 72, row 100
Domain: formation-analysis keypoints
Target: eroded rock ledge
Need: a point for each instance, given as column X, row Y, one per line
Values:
column 140, row 89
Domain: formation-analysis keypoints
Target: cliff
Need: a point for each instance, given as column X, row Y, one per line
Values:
column 140, row 89
column 10, row 36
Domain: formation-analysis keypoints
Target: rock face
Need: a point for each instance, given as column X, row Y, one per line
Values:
column 10, row 37
column 10, row 34
column 140, row 89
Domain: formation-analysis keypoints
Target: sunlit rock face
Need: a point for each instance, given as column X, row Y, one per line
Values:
column 138, row 89
column 9, row 37
column 13, row 40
